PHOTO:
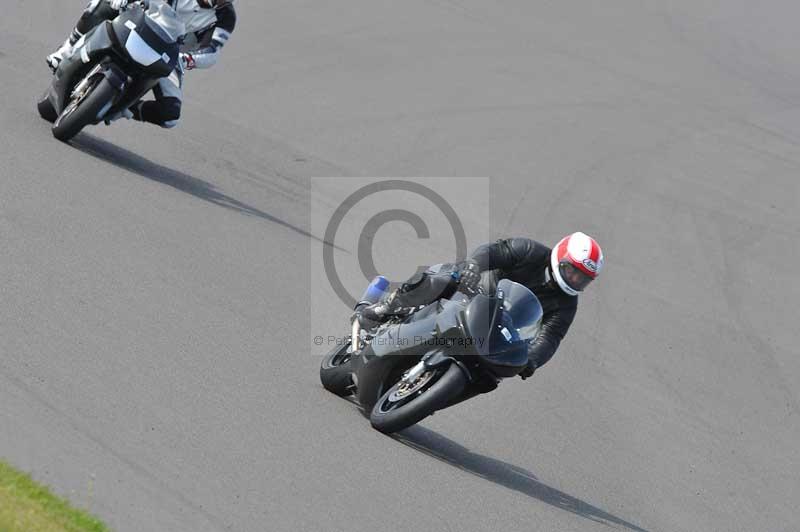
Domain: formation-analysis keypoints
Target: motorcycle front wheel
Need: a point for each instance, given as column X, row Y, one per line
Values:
column 408, row 403
column 84, row 109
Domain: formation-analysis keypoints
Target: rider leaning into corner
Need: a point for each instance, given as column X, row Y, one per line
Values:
column 209, row 25
column 555, row 276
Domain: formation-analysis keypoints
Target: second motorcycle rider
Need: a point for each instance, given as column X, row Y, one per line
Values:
column 209, row 25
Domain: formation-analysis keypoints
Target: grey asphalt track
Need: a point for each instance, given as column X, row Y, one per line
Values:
column 154, row 304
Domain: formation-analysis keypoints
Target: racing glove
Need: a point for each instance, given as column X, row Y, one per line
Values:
column 118, row 4
column 528, row 371
column 469, row 276
column 187, row 61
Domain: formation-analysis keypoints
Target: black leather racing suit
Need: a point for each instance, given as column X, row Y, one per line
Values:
column 527, row 262
column 521, row 260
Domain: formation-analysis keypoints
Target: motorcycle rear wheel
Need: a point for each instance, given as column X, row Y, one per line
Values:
column 396, row 410
column 334, row 371
column 45, row 108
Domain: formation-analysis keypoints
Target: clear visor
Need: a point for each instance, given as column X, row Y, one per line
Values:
column 575, row 278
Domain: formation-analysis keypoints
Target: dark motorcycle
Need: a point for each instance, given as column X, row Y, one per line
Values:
column 112, row 67
column 438, row 355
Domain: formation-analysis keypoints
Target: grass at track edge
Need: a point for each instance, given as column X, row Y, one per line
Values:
column 26, row 506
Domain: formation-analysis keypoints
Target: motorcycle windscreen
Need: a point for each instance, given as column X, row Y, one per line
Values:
column 164, row 21
column 503, row 326
column 523, row 309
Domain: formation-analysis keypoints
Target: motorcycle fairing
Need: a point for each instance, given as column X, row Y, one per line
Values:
column 397, row 347
column 97, row 42
column 142, row 48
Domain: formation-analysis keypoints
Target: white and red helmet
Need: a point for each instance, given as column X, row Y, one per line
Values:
column 575, row 262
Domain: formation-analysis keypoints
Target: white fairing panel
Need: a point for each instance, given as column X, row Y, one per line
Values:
column 140, row 51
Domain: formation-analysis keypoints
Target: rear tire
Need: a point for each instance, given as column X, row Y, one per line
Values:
column 79, row 114
column 390, row 415
column 335, row 372
column 46, row 109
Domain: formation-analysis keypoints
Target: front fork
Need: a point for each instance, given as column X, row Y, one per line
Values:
column 83, row 84
column 355, row 336
column 431, row 361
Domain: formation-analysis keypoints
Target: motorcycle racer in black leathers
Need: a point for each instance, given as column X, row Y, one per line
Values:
column 209, row 25
column 555, row 276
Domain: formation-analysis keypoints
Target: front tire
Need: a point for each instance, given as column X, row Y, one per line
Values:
column 335, row 372
column 395, row 411
column 83, row 111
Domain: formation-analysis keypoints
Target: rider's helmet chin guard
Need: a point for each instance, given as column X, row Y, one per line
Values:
column 575, row 262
